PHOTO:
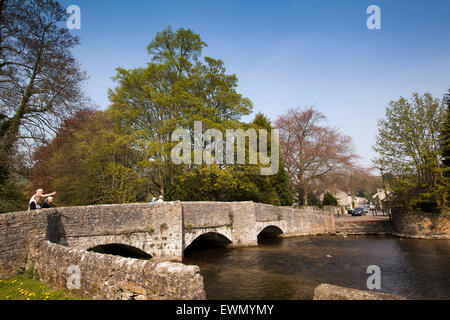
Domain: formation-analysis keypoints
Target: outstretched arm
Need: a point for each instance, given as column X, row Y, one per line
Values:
column 48, row 195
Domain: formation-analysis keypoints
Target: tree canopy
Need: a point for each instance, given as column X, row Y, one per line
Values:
column 410, row 151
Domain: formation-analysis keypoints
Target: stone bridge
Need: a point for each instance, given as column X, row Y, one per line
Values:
column 161, row 232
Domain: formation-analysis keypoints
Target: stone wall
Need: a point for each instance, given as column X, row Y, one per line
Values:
column 364, row 227
column 113, row 277
column 16, row 230
column 331, row 292
column 337, row 210
column 235, row 220
column 421, row 225
column 296, row 222
column 153, row 228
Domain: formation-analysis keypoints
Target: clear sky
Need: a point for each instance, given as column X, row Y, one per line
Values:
column 286, row 53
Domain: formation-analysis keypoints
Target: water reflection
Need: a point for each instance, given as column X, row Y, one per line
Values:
column 290, row 268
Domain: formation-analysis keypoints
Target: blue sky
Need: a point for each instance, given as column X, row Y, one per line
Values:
column 286, row 53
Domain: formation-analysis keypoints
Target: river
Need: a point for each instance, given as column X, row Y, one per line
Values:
column 290, row 268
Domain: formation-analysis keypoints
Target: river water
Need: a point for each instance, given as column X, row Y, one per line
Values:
column 290, row 268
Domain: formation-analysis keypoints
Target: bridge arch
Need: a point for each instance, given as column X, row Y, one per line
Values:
column 270, row 231
column 207, row 240
column 120, row 249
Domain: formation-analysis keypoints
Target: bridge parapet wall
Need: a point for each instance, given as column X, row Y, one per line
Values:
column 113, row 277
column 296, row 222
column 16, row 230
column 153, row 228
column 235, row 220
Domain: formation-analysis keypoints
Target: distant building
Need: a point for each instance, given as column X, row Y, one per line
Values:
column 379, row 198
column 360, row 201
column 344, row 198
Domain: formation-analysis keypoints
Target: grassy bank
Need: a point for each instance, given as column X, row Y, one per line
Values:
column 26, row 287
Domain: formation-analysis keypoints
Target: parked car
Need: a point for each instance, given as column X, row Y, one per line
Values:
column 359, row 212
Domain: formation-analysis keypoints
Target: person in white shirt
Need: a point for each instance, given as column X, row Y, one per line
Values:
column 39, row 192
column 160, row 199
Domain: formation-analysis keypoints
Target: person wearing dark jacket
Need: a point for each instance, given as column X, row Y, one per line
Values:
column 35, row 204
column 49, row 203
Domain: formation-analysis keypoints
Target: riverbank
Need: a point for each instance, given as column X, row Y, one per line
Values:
column 348, row 225
column 421, row 225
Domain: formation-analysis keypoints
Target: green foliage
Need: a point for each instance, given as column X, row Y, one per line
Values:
column 280, row 181
column 29, row 273
column 410, row 152
column 12, row 194
column 175, row 89
column 124, row 153
column 96, row 164
column 234, row 183
column 445, row 137
column 329, row 200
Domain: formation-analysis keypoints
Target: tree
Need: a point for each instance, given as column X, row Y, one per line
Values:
column 40, row 81
column 43, row 174
column 410, row 152
column 445, row 136
column 329, row 200
column 362, row 182
column 175, row 89
column 311, row 150
column 92, row 161
column 234, row 182
column 12, row 194
column 279, row 181
column 106, row 162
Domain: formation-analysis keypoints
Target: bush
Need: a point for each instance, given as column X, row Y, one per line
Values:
column 329, row 200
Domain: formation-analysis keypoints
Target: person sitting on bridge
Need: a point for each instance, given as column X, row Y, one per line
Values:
column 36, row 204
column 39, row 192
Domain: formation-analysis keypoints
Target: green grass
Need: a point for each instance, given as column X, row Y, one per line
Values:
column 23, row 287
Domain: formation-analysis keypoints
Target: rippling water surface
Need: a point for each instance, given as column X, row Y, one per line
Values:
column 290, row 268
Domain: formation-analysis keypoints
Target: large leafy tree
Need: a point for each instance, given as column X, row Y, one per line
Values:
column 176, row 88
column 92, row 161
column 410, row 152
column 43, row 174
column 233, row 182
